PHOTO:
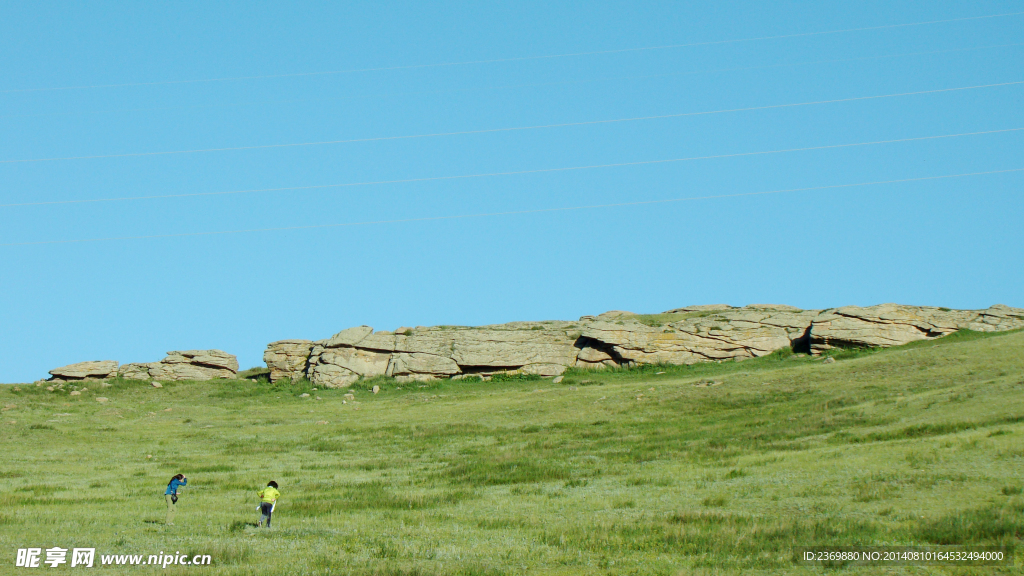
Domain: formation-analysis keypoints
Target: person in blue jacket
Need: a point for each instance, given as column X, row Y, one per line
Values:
column 171, row 495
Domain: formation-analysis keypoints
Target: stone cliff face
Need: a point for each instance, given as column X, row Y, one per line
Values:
column 679, row 336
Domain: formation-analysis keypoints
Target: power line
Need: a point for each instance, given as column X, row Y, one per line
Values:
column 511, row 212
column 516, row 86
column 516, row 59
column 510, row 129
column 516, row 172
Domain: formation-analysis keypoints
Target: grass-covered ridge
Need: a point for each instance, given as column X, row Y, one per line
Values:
column 648, row 470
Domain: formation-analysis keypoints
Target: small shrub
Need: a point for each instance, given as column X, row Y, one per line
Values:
column 514, row 377
column 714, row 501
column 780, row 354
column 918, row 460
column 255, row 372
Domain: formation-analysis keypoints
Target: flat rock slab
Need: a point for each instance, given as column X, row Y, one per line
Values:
column 184, row 365
column 95, row 369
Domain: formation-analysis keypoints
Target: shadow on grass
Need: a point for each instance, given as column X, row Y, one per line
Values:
column 239, row 525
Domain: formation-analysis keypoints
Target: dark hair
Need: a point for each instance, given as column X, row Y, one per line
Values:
column 176, row 477
column 272, row 484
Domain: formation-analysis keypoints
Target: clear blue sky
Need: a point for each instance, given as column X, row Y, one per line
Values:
column 953, row 242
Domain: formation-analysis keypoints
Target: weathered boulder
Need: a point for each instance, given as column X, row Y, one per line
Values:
column 895, row 324
column 514, row 345
column 687, row 335
column 135, row 371
column 287, row 359
column 542, row 369
column 93, row 370
column 997, row 318
column 591, row 355
column 185, row 365
column 210, row 358
column 426, row 353
column 331, row 376
column 418, row 365
column 338, row 367
column 348, row 337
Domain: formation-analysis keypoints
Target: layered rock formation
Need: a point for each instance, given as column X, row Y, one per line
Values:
column 893, row 324
column 178, row 365
column 94, row 370
column 442, row 351
column 287, row 358
column 700, row 335
column 679, row 336
column 184, row 365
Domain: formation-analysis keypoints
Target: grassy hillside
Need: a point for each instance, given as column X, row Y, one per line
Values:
column 708, row 469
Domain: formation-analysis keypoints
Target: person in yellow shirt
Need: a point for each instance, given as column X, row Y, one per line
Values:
column 268, row 500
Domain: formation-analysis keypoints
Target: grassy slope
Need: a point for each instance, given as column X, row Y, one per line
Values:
column 631, row 473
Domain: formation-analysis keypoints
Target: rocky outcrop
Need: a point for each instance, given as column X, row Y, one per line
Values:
column 701, row 335
column 134, row 371
column 93, row 370
column 680, row 336
column 288, row 358
column 425, row 353
column 894, row 324
column 184, row 365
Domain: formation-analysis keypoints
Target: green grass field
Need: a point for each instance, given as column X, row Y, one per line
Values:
column 706, row 469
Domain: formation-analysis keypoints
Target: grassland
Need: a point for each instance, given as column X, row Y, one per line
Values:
column 707, row 469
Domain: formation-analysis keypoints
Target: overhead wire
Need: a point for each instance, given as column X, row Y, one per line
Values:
column 514, row 172
column 507, row 129
column 513, row 86
column 519, row 58
column 510, row 212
